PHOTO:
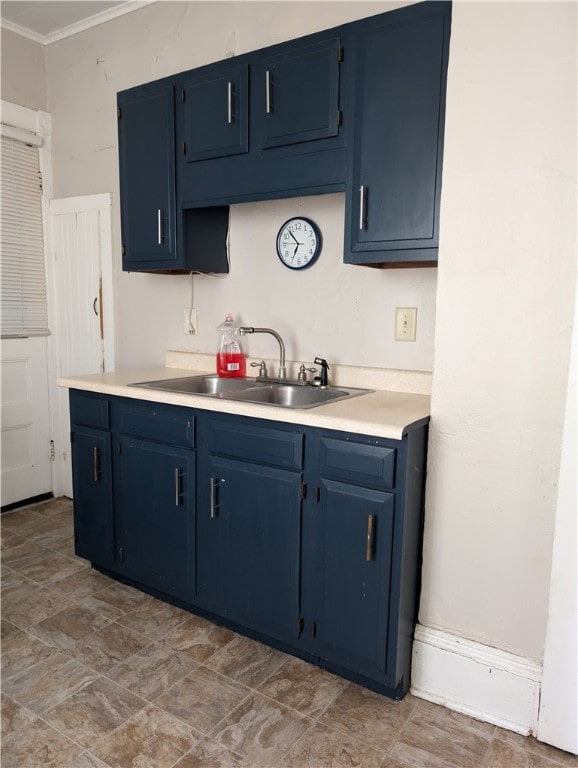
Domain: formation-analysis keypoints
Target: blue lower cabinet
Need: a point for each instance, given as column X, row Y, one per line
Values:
column 92, row 490
column 248, row 546
column 154, row 497
column 349, row 588
column 306, row 538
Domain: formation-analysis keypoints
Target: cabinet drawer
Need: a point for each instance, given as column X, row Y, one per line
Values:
column 265, row 445
column 89, row 410
column 162, row 423
column 370, row 465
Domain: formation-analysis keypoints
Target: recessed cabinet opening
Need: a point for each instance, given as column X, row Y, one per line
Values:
column 205, row 232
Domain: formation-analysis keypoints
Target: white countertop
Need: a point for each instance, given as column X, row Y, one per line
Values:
column 382, row 413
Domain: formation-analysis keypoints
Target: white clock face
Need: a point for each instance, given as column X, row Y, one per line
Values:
column 298, row 243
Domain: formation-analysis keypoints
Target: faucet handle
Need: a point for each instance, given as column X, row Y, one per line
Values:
column 302, row 378
column 262, row 366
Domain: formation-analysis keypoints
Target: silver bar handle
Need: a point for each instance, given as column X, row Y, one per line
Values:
column 229, row 103
column 213, row 487
column 370, row 543
column 178, row 490
column 160, row 226
column 96, row 464
column 268, row 92
column 362, row 207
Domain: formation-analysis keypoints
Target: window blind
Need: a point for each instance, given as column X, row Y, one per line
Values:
column 23, row 310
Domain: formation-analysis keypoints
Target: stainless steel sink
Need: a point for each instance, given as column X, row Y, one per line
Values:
column 199, row 385
column 248, row 390
column 294, row 395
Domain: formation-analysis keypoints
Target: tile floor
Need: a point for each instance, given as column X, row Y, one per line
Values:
column 97, row 675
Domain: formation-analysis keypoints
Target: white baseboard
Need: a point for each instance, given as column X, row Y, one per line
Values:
column 477, row 680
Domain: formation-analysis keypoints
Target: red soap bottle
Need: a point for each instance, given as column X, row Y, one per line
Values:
column 231, row 361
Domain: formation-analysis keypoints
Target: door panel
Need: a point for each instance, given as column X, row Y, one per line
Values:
column 92, row 484
column 399, row 109
column 300, row 94
column 248, row 546
column 26, row 465
column 155, row 515
column 354, row 563
column 147, row 177
column 216, row 116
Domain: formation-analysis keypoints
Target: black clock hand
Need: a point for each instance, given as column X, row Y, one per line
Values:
column 294, row 238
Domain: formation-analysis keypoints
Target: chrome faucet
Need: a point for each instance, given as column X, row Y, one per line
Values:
column 243, row 330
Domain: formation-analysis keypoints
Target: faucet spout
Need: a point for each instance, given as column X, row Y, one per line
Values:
column 245, row 329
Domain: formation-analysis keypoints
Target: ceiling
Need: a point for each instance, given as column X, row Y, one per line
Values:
column 49, row 20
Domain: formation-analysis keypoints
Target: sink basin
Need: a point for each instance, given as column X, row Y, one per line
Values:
column 199, row 385
column 251, row 391
column 294, row 395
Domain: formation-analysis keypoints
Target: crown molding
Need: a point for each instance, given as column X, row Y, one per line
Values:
column 79, row 26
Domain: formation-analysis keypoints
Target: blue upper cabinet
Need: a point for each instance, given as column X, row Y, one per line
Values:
column 263, row 125
column 146, row 132
column 298, row 87
column 394, row 178
column 359, row 108
column 157, row 236
column 215, row 113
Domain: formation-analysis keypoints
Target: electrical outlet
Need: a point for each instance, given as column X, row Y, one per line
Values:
column 405, row 323
column 190, row 321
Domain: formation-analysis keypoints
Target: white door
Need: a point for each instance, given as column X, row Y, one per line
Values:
column 81, row 269
column 26, row 466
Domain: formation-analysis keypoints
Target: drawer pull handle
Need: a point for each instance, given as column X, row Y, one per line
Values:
column 370, row 544
column 229, row 103
column 268, row 108
column 160, row 226
column 178, row 486
column 362, row 207
column 214, row 505
column 96, row 464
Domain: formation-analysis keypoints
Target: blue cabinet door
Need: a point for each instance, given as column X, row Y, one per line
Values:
column 349, row 596
column 214, row 105
column 394, row 183
column 155, row 515
column 248, row 546
column 297, row 92
column 147, row 176
column 92, row 491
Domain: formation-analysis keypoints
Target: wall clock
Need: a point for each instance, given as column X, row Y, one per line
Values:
column 298, row 243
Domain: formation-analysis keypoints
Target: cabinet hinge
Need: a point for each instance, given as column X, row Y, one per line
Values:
column 183, row 96
column 314, row 630
column 303, row 490
column 317, row 493
column 300, row 625
column 71, row 437
column 339, row 117
column 121, row 554
column 123, row 249
column 119, row 113
column 119, row 448
column 339, row 53
column 184, row 148
column 51, row 452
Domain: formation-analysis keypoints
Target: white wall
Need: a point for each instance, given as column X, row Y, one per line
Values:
column 343, row 313
column 23, row 71
column 505, row 304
